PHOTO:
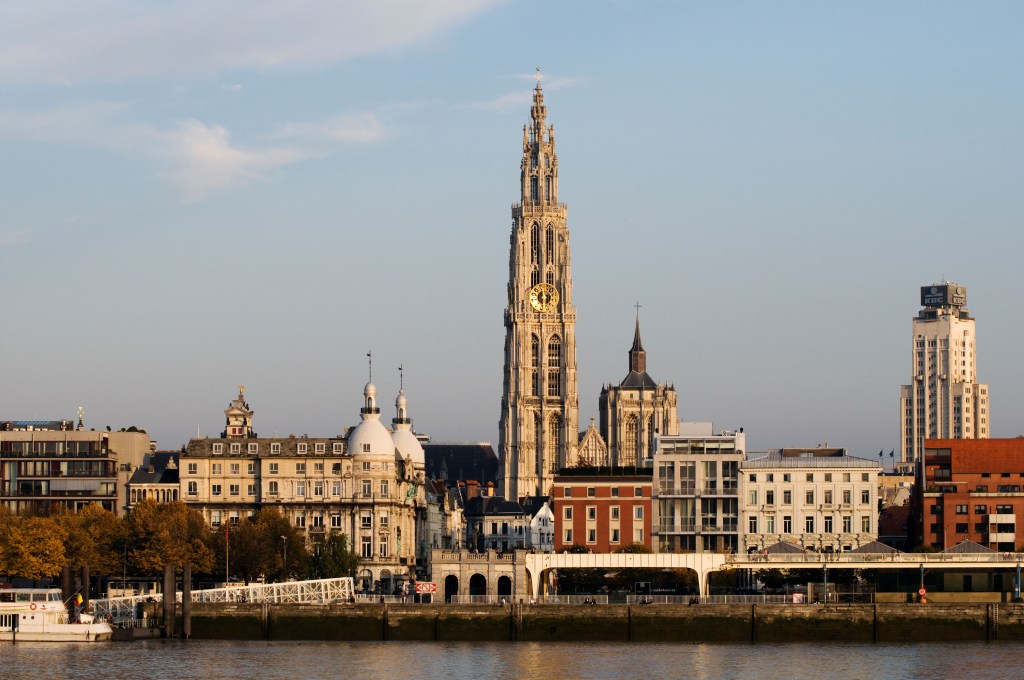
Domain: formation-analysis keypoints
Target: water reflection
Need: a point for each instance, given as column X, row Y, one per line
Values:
column 212, row 660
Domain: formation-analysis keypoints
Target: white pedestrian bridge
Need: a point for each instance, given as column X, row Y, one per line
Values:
column 540, row 565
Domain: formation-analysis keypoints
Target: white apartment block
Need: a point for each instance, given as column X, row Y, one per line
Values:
column 944, row 399
column 820, row 499
column 696, row 490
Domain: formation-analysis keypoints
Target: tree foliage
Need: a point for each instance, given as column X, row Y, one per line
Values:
column 168, row 534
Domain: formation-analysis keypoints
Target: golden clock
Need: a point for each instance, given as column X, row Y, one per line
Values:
column 544, row 297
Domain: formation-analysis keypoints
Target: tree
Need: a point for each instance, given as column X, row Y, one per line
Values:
column 95, row 538
column 168, row 534
column 32, row 547
column 332, row 557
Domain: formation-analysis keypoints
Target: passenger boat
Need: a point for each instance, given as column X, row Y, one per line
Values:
column 39, row 615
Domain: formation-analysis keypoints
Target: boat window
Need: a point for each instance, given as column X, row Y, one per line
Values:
column 6, row 597
column 24, row 597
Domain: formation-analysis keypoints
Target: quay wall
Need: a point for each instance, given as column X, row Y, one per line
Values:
column 638, row 623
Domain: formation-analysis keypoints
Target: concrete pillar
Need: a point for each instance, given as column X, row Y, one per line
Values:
column 186, row 602
column 168, row 601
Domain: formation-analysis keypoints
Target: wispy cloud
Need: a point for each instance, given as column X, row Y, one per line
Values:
column 73, row 41
column 13, row 238
column 347, row 129
column 522, row 97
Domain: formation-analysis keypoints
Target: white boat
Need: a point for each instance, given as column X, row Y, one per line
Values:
column 39, row 615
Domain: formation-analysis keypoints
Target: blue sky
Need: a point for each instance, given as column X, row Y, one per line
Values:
column 199, row 195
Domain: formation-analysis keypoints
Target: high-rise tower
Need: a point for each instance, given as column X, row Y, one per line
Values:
column 540, row 403
column 945, row 400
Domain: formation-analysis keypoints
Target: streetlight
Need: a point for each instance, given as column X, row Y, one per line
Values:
column 284, row 571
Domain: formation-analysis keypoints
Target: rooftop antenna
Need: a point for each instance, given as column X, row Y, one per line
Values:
column 81, row 415
column 401, row 378
column 369, row 360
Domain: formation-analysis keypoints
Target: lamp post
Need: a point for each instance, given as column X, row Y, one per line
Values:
column 284, row 569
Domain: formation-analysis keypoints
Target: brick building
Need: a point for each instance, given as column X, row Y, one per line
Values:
column 602, row 512
column 972, row 490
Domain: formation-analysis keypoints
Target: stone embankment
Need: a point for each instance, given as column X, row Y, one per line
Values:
column 638, row 623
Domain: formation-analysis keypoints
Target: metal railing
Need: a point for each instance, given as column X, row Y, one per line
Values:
column 869, row 558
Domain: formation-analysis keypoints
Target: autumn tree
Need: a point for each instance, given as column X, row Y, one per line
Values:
column 332, row 557
column 168, row 534
column 96, row 538
column 32, row 547
column 256, row 547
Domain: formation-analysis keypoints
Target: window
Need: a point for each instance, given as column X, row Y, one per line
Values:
column 303, row 447
column 638, row 491
column 335, row 468
column 615, row 513
column 236, row 448
column 383, row 488
column 828, row 524
column 846, row 496
column 235, row 468
column 215, row 518
column 769, row 522
column 769, row 497
column 568, row 492
column 787, row 524
column 591, row 513
column 961, row 509
column 753, row 477
column 638, row 512
column 809, row 497
column 193, row 489
column 981, row 488
column 337, row 448
column 215, row 490
column 787, row 497
column 980, row 509
column 300, row 488
column 770, row 477
column 367, row 488
column 786, row 477
column 335, row 521
column 809, row 524
column 568, row 536
column 275, row 447
column 752, row 527
column 846, row 476
column 366, row 520
column 366, row 449
column 234, row 489
column 591, row 535
column 810, row 476
column 273, row 468
column 828, row 476
column 318, row 468
column 366, row 465
column 827, row 497
column 753, row 497
column 865, row 524
column 251, row 468
column 615, row 492
column 192, row 469
column 318, row 488
column 251, row 490
column 382, row 519
column 865, row 496
column 864, row 477
column 272, row 488
column 320, row 447
column 218, row 449
column 366, row 547
column 567, row 512
column 615, row 536
column 254, row 449
column 847, row 524
column 300, row 468
column 961, row 528
column 638, row 535
column 215, row 469
column 591, row 492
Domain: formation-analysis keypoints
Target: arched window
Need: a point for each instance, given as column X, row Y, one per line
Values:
column 551, row 277
column 534, row 277
column 554, row 384
column 628, row 456
column 534, row 350
column 535, row 244
column 553, row 443
column 549, row 246
column 554, row 352
column 534, row 190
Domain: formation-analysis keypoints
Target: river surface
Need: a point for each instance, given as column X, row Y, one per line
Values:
column 210, row 660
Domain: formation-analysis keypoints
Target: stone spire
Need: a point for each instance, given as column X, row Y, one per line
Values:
column 637, row 355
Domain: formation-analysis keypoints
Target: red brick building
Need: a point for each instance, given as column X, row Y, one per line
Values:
column 972, row 490
column 602, row 513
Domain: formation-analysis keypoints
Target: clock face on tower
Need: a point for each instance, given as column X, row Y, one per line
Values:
column 544, row 297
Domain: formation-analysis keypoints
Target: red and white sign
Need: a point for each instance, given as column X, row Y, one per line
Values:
column 423, row 588
column 922, row 592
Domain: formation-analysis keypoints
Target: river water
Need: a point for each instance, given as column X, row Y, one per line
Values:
column 210, row 660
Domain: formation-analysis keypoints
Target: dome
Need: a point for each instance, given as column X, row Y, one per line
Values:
column 370, row 438
column 409, row 447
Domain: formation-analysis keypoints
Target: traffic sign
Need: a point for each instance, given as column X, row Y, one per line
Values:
column 425, row 588
column 922, row 592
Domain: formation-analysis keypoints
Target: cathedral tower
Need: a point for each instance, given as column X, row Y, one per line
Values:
column 539, row 405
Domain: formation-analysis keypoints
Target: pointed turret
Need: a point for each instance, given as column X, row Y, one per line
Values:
column 637, row 355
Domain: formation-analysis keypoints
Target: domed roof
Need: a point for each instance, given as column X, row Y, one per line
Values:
column 405, row 441
column 370, row 438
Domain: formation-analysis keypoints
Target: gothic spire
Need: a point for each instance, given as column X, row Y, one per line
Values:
column 637, row 355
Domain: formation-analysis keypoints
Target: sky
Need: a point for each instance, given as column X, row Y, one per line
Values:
column 197, row 196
